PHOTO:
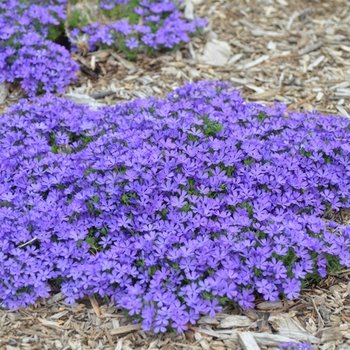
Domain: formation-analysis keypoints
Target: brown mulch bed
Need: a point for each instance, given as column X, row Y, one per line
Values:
column 295, row 52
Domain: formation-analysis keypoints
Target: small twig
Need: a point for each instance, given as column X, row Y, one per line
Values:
column 297, row 104
column 187, row 346
column 282, row 58
column 24, row 244
column 285, row 308
column 95, row 306
column 194, row 329
column 340, row 273
column 320, row 319
column 110, row 340
column 346, row 318
column 310, row 48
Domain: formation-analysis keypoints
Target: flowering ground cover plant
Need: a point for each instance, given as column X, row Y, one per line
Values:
column 171, row 208
column 27, row 29
column 27, row 54
column 147, row 25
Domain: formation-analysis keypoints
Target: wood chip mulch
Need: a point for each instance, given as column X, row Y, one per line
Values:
column 296, row 52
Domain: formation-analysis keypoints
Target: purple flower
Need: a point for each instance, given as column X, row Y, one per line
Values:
column 245, row 299
column 292, row 288
column 212, row 307
column 132, row 43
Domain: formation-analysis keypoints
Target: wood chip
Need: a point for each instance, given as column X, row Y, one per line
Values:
column 59, row 315
column 269, row 305
column 265, row 95
column 208, row 320
column 254, row 63
column 125, row 329
column 102, row 94
column 332, row 333
column 240, row 81
column 4, row 92
column 265, row 339
column 316, row 63
column 307, row 99
column 127, row 64
column 235, row 321
column 310, row 48
column 51, row 324
column 345, row 48
column 342, row 111
column 95, row 306
column 235, row 58
column 247, row 341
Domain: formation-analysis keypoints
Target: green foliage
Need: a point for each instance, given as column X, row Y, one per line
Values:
column 56, row 32
column 123, row 11
column 76, row 19
column 211, row 127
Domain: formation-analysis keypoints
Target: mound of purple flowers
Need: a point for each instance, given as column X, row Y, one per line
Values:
column 26, row 56
column 170, row 208
column 156, row 25
column 39, row 65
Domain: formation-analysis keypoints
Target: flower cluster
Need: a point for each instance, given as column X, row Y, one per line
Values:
column 26, row 54
column 156, row 25
column 28, row 28
column 171, row 208
column 110, row 4
column 295, row 346
column 40, row 65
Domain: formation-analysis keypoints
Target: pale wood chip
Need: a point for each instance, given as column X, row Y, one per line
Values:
column 235, row 321
column 208, row 320
column 255, row 88
column 260, row 32
column 345, row 48
column 95, row 306
column 269, row 305
column 125, row 329
column 315, row 63
column 59, row 315
column 217, row 345
column 300, row 336
column 240, row 81
column 247, row 341
column 265, row 339
column 310, row 48
column 56, row 298
column 264, row 95
column 4, row 92
column 245, row 48
column 127, row 64
column 204, row 344
column 253, row 63
column 342, row 111
column 331, row 333
column 51, row 324
column 235, row 58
